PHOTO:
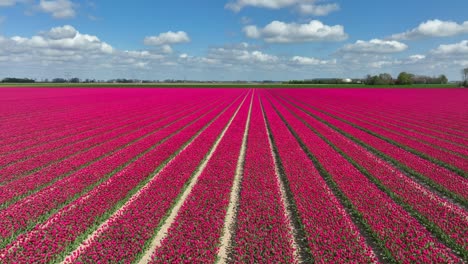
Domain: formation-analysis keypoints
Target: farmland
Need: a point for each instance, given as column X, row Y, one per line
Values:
column 194, row 175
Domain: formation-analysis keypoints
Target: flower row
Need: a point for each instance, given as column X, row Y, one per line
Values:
column 26, row 212
column 450, row 218
column 262, row 232
column 82, row 215
column 436, row 174
column 46, row 175
column 394, row 229
column 331, row 234
column 127, row 234
column 195, row 232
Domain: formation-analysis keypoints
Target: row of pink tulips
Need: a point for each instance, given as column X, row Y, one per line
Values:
column 48, row 124
column 398, row 107
column 27, row 212
column 109, row 105
column 430, row 108
column 195, row 234
column 50, row 174
column 128, row 233
column 16, row 113
column 262, row 234
column 80, row 216
column 421, row 134
column 441, row 176
column 53, row 141
column 433, row 152
column 332, row 236
column 58, row 151
column 402, row 235
column 452, row 219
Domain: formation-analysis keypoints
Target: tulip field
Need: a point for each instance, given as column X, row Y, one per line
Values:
column 230, row 175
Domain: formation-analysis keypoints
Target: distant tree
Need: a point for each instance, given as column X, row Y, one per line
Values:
column 59, row 80
column 368, row 79
column 405, row 78
column 74, row 80
column 385, row 78
column 381, row 79
column 18, row 80
column 442, row 79
column 465, row 77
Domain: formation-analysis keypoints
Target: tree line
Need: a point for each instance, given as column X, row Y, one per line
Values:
column 404, row 78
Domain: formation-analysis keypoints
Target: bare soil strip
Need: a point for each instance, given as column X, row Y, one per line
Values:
column 286, row 204
column 231, row 214
column 163, row 231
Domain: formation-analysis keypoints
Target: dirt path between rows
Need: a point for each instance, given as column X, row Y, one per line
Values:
column 231, row 214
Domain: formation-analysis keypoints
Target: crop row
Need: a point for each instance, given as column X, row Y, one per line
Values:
column 25, row 213
column 417, row 147
column 330, row 231
column 443, row 216
column 398, row 234
column 48, row 124
column 425, row 136
column 196, row 230
column 64, row 151
column 261, row 234
column 62, row 138
column 387, row 111
column 32, row 183
column 110, row 109
column 126, row 234
column 77, row 217
column 440, row 178
column 233, row 176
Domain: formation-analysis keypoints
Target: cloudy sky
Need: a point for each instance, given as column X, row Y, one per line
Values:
column 231, row 39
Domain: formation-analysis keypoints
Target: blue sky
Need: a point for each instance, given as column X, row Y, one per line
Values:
column 231, row 39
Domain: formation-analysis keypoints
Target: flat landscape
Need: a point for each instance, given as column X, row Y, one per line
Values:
column 233, row 175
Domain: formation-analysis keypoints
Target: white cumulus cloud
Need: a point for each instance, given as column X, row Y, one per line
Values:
column 318, row 10
column 457, row 49
column 242, row 53
column 309, row 7
column 434, row 28
column 300, row 60
column 59, row 42
column 166, row 49
column 64, row 32
column 417, row 57
column 375, row 46
column 167, row 38
column 281, row 32
column 271, row 4
column 58, row 8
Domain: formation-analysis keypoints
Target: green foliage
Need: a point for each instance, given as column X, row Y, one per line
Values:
column 465, row 77
column 442, row 79
column 319, row 81
column 381, row 79
column 18, row 80
column 405, row 78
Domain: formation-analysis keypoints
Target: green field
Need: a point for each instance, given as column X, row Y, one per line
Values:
column 222, row 85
